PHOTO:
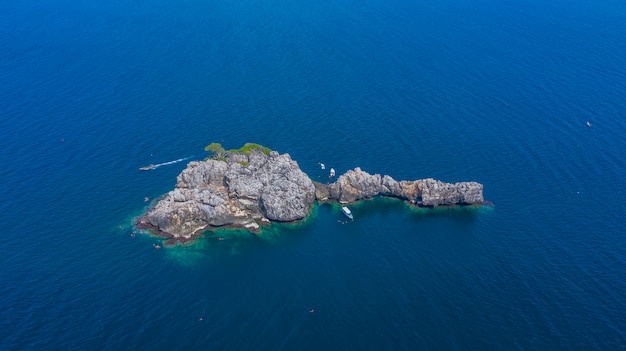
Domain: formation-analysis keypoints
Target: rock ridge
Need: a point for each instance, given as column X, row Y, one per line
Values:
column 249, row 190
column 357, row 185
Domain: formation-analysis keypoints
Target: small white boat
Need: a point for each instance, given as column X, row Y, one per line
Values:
column 147, row 168
column 347, row 212
column 332, row 173
column 588, row 124
column 322, row 166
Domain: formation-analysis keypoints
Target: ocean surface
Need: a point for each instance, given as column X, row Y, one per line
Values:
column 497, row 92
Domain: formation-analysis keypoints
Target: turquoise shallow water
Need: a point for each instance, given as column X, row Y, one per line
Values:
column 494, row 92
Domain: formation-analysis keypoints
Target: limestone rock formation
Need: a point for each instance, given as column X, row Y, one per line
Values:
column 356, row 185
column 249, row 189
column 244, row 190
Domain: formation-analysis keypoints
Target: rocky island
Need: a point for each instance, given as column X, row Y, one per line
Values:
column 253, row 186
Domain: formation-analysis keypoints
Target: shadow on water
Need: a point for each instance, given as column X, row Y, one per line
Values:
column 384, row 206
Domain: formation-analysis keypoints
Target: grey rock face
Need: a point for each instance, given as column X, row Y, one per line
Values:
column 242, row 190
column 249, row 190
column 285, row 201
column 322, row 191
column 437, row 193
column 199, row 174
column 356, row 185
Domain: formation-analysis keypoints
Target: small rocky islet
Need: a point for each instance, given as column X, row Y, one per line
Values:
column 254, row 186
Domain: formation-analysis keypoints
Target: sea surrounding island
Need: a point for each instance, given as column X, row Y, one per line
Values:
column 525, row 97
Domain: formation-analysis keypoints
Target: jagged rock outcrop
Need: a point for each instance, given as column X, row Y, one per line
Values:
column 244, row 190
column 357, row 185
column 250, row 189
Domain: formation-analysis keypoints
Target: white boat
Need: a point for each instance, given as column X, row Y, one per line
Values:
column 588, row 124
column 322, row 166
column 147, row 168
column 347, row 212
column 332, row 173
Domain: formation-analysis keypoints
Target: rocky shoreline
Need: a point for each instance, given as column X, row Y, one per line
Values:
column 255, row 188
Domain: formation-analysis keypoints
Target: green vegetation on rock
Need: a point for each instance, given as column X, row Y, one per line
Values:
column 216, row 150
column 249, row 147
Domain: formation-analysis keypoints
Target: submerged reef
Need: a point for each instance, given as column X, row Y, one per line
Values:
column 251, row 187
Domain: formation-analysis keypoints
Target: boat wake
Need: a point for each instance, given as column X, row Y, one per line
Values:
column 172, row 162
column 153, row 166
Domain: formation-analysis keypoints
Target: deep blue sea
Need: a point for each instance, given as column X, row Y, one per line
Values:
column 497, row 92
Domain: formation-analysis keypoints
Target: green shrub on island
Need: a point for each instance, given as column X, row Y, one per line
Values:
column 217, row 152
column 247, row 148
